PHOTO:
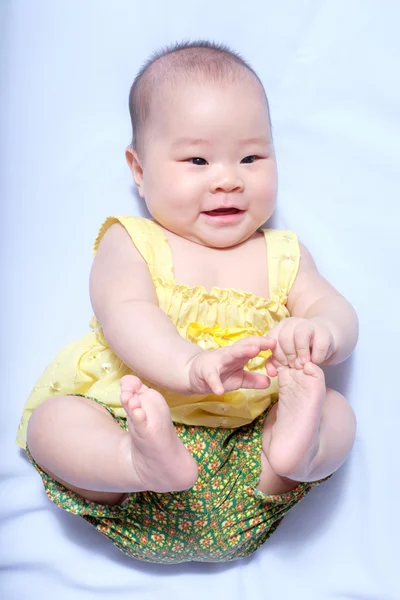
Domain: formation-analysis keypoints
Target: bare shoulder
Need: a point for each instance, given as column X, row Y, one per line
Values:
column 118, row 273
column 117, row 241
column 309, row 285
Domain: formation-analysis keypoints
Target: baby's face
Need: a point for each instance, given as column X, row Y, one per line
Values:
column 208, row 166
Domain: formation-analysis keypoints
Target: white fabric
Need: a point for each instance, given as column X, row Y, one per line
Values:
column 331, row 72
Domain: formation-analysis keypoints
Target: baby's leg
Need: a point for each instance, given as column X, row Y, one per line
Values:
column 309, row 432
column 77, row 442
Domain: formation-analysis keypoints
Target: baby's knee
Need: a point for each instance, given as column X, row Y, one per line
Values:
column 338, row 411
column 335, row 398
column 42, row 421
column 45, row 422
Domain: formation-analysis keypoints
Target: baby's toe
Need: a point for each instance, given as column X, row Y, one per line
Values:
column 313, row 370
column 125, row 397
column 130, row 383
column 138, row 418
column 130, row 402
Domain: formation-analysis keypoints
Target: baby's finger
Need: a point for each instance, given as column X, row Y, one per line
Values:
column 279, row 357
column 213, row 380
column 249, row 348
column 287, row 344
column 262, row 342
column 255, row 381
column 320, row 345
column 240, row 353
column 302, row 339
column 266, row 343
column 271, row 368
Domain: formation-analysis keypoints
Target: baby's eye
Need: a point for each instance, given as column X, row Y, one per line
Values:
column 250, row 159
column 198, row 161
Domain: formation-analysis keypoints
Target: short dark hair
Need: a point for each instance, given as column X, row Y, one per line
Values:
column 204, row 59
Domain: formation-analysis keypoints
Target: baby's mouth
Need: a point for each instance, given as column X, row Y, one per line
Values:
column 222, row 211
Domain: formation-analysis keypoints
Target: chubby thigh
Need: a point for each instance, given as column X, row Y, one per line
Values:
column 226, row 515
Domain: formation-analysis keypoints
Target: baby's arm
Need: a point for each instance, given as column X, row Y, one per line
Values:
column 312, row 297
column 125, row 303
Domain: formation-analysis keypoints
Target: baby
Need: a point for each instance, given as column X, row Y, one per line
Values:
column 162, row 426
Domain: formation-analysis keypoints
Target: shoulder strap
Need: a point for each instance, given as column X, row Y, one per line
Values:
column 150, row 241
column 283, row 261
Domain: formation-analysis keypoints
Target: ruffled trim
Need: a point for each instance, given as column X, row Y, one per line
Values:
column 242, row 298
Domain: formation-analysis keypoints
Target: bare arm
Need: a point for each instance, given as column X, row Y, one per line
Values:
column 125, row 303
column 313, row 297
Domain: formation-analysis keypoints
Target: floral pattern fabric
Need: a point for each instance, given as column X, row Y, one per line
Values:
column 223, row 517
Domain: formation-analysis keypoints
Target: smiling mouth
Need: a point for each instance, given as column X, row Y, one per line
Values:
column 223, row 211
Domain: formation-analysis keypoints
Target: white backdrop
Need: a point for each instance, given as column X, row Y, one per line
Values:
column 331, row 70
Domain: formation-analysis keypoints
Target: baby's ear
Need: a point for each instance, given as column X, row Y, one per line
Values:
column 133, row 160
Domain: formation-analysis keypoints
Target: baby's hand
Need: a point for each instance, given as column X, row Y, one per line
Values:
column 299, row 341
column 222, row 370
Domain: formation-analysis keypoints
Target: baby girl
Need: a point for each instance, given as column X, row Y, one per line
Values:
column 194, row 415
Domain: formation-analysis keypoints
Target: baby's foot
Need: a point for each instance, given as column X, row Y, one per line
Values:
column 295, row 434
column 159, row 458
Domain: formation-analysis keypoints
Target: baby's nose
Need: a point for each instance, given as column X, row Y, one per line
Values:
column 227, row 182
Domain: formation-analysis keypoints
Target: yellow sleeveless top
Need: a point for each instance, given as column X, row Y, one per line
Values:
column 209, row 319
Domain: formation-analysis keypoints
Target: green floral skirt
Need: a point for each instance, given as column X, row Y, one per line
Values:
column 221, row 518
